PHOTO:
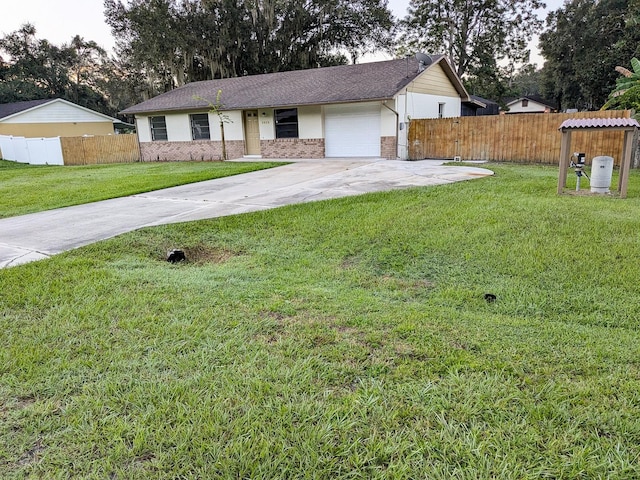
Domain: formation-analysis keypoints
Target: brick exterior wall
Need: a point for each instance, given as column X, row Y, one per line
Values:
column 197, row 150
column 388, row 148
column 204, row 150
column 292, row 148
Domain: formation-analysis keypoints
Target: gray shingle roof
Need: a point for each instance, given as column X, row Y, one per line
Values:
column 345, row 83
column 7, row 109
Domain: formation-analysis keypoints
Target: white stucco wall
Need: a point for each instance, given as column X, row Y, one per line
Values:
column 419, row 105
column 267, row 126
column 310, row 124
column 233, row 129
column 388, row 121
column 179, row 127
column 142, row 128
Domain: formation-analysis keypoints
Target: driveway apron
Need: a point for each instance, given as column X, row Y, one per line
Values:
column 37, row 236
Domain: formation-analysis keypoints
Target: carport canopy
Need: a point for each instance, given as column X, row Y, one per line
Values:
column 628, row 125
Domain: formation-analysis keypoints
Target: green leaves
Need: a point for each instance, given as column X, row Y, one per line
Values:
column 626, row 95
column 178, row 42
column 38, row 69
column 473, row 33
column 584, row 41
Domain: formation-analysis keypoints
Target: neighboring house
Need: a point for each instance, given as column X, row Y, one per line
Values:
column 529, row 104
column 52, row 118
column 344, row 111
column 478, row 106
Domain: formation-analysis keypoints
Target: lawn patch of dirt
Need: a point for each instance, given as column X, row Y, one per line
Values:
column 204, row 255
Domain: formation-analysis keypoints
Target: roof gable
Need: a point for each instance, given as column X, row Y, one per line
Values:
column 440, row 62
column 8, row 109
column 54, row 110
column 319, row 86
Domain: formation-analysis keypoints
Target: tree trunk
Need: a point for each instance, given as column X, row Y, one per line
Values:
column 224, row 145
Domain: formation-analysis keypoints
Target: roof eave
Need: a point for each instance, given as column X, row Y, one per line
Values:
column 129, row 111
column 477, row 103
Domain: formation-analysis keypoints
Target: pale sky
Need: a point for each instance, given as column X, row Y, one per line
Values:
column 60, row 20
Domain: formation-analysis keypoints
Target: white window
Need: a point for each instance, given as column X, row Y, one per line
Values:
column 200, row 126
column 158, row 128
column 441, row 110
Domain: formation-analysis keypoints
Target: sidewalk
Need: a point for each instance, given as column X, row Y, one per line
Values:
column 37, row 236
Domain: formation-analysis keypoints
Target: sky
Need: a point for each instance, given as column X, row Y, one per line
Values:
column 59, row 21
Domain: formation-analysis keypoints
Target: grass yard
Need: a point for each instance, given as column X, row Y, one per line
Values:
column 27, row 188
column 341, row 339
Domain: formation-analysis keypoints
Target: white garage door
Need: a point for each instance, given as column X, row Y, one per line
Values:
column 352, row 130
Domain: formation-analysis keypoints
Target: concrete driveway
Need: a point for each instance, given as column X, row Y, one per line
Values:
column 37, row 236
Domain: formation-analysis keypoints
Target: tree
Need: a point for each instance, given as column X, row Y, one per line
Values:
column 527, row 81
column 626, row 95
column 217, row 108
column 582, row 44
column 178, row 41
column 86, row 58
column 475, row 34
column 149, row 34
column 36, row 69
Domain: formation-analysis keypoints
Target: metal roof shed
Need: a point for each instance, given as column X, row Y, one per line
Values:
column 628, row 125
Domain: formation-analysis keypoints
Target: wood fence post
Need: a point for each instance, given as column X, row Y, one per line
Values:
column 565, row 146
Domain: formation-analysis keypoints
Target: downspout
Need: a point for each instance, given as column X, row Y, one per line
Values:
column 384, row 104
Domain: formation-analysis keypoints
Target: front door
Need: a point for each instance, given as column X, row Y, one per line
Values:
column 251, row 132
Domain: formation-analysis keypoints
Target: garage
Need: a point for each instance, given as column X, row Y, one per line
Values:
column 352, row 130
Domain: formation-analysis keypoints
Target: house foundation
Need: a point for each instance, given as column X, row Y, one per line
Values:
column 292, row 148
column 205, row 150
column 389, row 148
column 197, row 150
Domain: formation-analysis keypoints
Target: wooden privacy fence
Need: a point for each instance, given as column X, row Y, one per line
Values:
column 526, row 138
column 100, row 149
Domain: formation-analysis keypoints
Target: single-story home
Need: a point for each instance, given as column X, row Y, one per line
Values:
column 529, row 104
column 358, row 110
column 478, row 107
column 53, row 117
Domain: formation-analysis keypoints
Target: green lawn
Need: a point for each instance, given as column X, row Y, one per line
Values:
column 339, row 339
column 28, row 189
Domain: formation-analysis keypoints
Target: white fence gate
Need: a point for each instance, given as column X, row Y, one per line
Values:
column 35, row 151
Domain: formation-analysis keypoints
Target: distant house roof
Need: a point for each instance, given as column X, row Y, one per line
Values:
column 478, row 102
column 8, row 110
column 533, row 98
column 584, row 123
column 318, row 86
column 478, row 106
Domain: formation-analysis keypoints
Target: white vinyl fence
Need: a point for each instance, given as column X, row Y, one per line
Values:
column 35, row 151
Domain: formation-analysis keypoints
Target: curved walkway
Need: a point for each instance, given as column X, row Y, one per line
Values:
column 37, row 236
